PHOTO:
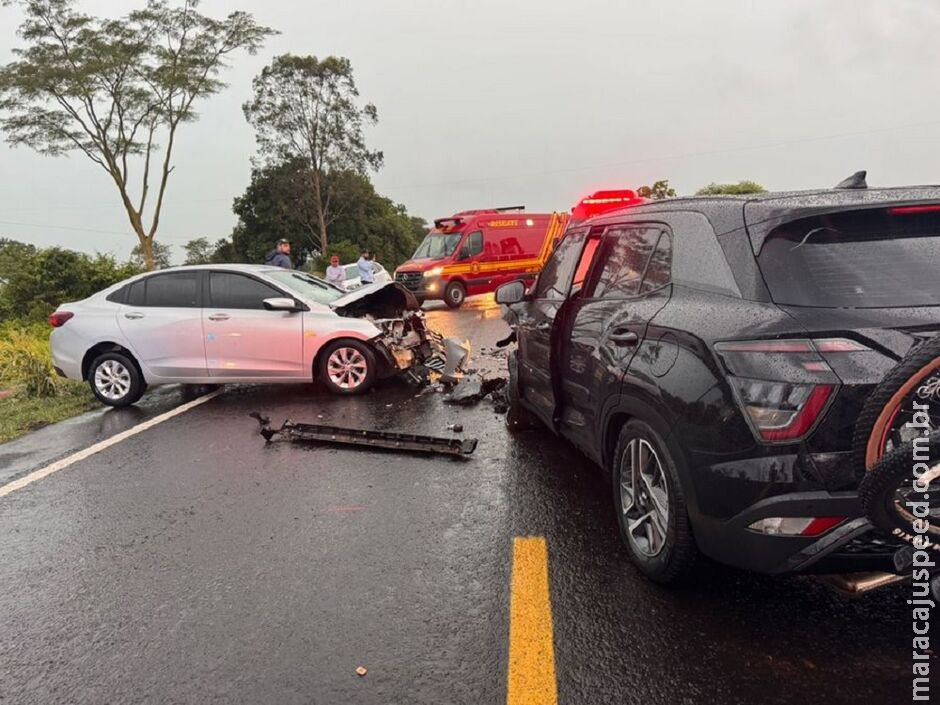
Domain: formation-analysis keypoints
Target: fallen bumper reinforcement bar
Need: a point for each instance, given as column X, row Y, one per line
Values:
column 371, row 439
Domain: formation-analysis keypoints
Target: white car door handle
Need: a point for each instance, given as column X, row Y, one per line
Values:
column 218, row 317
column 133, row 316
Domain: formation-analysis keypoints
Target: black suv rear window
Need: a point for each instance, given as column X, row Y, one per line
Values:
column 881, row 258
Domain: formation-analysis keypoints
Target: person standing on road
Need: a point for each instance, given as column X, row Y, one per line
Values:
column 280, row 255
column 334, row 273
column 366, row 269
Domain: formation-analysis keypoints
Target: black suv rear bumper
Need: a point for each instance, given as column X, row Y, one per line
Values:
column 852, row 546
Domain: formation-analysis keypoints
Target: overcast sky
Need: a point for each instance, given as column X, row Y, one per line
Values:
column 504, row 102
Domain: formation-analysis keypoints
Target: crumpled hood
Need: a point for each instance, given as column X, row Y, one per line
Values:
column 388, row 300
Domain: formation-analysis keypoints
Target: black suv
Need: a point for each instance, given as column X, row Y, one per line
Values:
column 715, row 354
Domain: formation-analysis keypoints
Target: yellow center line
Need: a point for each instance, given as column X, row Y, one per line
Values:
column 531, row 678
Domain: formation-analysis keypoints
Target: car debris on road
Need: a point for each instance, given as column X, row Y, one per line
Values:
column 473, row 388
column 365, row 437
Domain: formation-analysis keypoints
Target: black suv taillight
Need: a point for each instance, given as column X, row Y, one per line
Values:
column 783, row 386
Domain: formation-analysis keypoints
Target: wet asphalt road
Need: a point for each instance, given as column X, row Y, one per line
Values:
column 193, row 564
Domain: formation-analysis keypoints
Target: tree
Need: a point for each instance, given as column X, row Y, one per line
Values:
column 161, row 256
column 13, row 254
column 658, row 191
column 419, row 227
column 306, row 109
column 45, row 278
column 200, row 251
column 112, row 89
column 279, row 203
column 742, row 187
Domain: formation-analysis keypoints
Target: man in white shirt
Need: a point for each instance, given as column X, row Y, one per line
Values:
column 366, row 269
column 335, row 274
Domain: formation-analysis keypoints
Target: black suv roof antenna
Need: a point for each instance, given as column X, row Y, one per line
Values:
column 856, row 180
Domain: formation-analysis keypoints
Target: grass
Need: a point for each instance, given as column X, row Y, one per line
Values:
column 32, row 394
column 20, row 414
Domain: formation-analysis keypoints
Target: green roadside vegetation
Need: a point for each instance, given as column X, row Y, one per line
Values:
column 20, row 414
column 31, row 394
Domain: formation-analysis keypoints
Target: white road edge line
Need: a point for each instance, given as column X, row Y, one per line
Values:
column 37, row 475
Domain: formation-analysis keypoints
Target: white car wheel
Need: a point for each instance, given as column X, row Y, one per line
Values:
column 115, row 379
column 348, row 367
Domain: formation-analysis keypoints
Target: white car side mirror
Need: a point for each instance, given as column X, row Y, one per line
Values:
column 281, row 303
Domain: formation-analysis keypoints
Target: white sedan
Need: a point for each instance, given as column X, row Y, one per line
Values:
column 216, row 324
column 354, row 281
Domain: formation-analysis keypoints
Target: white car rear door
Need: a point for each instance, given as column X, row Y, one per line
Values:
column 162, row 322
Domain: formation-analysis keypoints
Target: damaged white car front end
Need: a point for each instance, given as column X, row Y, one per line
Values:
column 403, row 340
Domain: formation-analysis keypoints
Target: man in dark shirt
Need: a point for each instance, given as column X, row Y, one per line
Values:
column 280, row 255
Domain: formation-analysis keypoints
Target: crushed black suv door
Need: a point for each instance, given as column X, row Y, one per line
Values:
column 536, row 320
column 608, row 322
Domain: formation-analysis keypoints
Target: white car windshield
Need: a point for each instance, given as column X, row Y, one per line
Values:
column 307, row 286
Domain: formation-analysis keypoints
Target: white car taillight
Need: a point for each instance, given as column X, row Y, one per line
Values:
column 783, row 386
column 59, row 318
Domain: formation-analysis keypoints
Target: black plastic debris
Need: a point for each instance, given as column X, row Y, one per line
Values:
column 503, row 342
column 473, row 388
column 364, row 437
column 469, row 390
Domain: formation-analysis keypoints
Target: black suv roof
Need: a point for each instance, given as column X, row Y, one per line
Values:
column 762, row 212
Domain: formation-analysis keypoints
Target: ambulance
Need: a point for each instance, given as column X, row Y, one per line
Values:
column 474, row 252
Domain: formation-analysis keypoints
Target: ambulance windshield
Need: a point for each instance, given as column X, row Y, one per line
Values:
column 437, row 246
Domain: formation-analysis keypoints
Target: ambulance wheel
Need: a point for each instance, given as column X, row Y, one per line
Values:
column 454, row 295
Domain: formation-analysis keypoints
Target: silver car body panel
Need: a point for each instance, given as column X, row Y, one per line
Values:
column 210, row 345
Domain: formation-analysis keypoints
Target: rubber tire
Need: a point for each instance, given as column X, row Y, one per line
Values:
column 137, row 388
column 679, row 559
column 922, row 360
column 454, row 295
column 518, row 418
column 876, row 490
column 372, row 367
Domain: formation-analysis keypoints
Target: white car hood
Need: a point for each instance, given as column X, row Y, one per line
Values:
column 385, row 296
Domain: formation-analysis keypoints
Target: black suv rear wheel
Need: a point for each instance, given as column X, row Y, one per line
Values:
column 650, row 505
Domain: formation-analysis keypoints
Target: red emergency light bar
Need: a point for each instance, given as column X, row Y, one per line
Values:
column 604, row 201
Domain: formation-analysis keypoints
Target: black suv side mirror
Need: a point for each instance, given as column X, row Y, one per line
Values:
column 510, row 293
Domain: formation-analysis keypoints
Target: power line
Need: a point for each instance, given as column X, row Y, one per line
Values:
column 84, row 230
column 506, row 177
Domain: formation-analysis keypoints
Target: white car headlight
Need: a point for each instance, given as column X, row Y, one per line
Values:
column 434, row 272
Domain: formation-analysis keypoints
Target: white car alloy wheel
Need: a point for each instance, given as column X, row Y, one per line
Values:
column 644, row 497
column 112, row 380
column 347, row 368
